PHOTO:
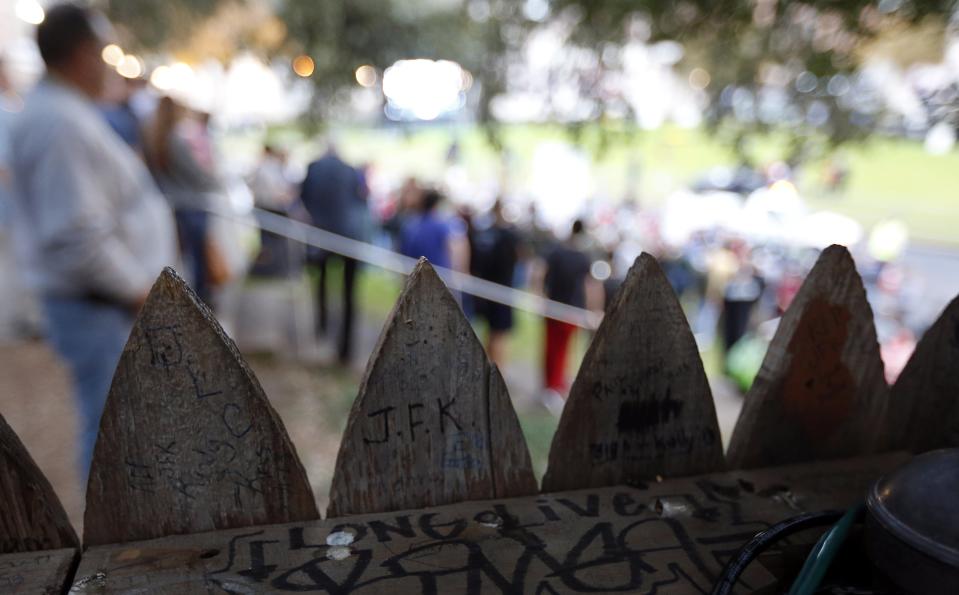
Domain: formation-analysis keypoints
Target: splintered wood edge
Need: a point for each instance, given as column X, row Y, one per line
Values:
column 645, row 269
column 756, row 437
column 29, row 493
column 522, row 478
column 923, row 409
column 169, row 282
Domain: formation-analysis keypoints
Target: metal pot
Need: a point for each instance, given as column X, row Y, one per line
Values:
column 912, row 525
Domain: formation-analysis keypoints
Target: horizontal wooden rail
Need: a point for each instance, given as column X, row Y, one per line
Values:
column 663, row 538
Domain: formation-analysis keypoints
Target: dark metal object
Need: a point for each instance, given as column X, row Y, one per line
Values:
column 913, row 524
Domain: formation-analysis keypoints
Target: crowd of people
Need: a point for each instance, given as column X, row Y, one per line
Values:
column 102, row 193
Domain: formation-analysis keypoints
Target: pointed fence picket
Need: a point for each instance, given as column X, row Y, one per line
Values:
column 38, row 547
column 640, row 407
column 195, row 486
column 924, row 404
column 433, row 423
column 820, row 393
column 188, row 442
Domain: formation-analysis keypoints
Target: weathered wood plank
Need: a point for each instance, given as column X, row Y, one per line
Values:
column 31, row 516
column 665, row 538
column 48, row 572
column 924, row 404
column 820, row 393
column 640, row 406
column 188, row 441
column 433, row 423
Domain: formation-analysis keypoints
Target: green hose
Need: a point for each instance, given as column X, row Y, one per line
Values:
column 823, row 554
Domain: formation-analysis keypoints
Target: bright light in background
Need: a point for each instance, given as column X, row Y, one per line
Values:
column 303, row 66
column 30, row 11
column 178, row 77
column 425, row 88
column 536, row 10
column 130, row 66
column 366, row 75
column 181, row 72
column 600, row 270
column 940, row 139
column 112, row 54
column 162, row 78
column 560, row 181
column 784, row 189
column 698, row 79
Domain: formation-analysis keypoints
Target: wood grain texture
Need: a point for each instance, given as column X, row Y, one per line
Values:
column 667, row 538
column 924, row 404
column 31, row 516
column 433, row 423
column 188, row 441
column 640, row 406
column 820, row 393
column 48, row 572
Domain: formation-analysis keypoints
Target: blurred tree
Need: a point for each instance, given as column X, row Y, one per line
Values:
column 153, row 24
column 759, row 66
column 198, row 29
column 341, row 36
column 771, row 66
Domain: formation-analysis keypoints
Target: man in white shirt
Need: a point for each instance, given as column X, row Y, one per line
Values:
column 95, row 230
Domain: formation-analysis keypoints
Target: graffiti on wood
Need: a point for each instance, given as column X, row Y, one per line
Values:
column 188, row 441
column 433, row 423
column 670, row 537
column 640, row 406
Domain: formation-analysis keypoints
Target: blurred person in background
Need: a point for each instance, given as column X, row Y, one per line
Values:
column 470, row 219
column 188, row 186
column 334, row 195
column 19, row 315
column 742, row 292
column 194, row 128
column 440, row 239
column 721, row 265
column 10, row 105
column 567, row 280
column 96, row 230
column 406, row 204
column 272, row 189
column 494, row 253
column 116, row 108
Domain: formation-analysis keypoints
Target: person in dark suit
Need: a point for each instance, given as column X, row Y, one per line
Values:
column 334, row 194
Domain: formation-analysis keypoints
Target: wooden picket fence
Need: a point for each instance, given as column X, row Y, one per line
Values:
column 195, row 486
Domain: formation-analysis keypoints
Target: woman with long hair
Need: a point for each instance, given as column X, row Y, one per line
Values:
column 187, row 185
